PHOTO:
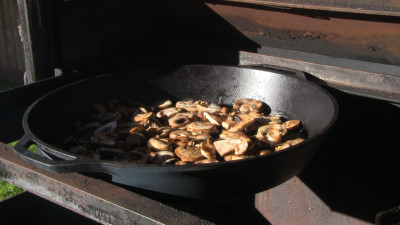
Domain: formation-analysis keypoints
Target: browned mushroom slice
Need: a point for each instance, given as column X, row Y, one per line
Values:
column 186, row 105
column 152, row 122
column 246, row 105
column 105, row 138
column 206, row 161
column 205, row 106
column 201, row 127
column 171, row 161
column 142, row 149
column 88, row 127
column 136, row 139
column 271, row 132
column 168, row 112
column 163, row 132
column 108, row 153
column 163, row 104
column 242, row 121
column 138, row 129
column 212, row 118
column 182, row 135
column 108, row 127
column 282, row 146
column 200, row 137
column 111, row 116
column 124, row 145
column 265, row 152
column 296, row 141
column 162, row 156
column 141, row 117
column 273, row 119
column 132, row 157
column 189, row 153
column 208, row 150
column 237, row 144
column 159, row 144
column 181, row 163
column 180, row 119
column 292, row 124
column 234, row 157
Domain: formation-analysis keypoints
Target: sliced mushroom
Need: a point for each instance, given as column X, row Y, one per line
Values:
column 236, row 144
column 206, row 161
column 104, row 138
column 201, row 127
column 136, row 138
column 292, row 124
column 186, row 105
column 180, row 120
column 271, row 132
column 108, row 127
column 205, row 106
column 212, row 118
column 159, row 144
column 132, row 157
column 168, row 112
column 138, row 129
column 88, row 127
column 163, row 132
column 189, row 153
column 141, row 117
column 111, row 116
column 246, row 105
column 162, row 156
column 182, row 135
column 243, row 121
column 108, row 153
column 163, row 104
column 208, row 150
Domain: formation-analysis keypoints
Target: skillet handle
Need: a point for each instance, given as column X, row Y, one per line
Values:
column 63, row 166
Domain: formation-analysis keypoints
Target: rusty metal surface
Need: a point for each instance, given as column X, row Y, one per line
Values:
column 364, row 83
column 360, row 37
column 305, row 207
column 385, row 7
column 90, row 197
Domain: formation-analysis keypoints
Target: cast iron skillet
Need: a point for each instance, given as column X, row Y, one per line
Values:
column 52, row 117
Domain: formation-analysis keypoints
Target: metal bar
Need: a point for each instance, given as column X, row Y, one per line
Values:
column 354, row 6
column 90, row 197
column 370, row 84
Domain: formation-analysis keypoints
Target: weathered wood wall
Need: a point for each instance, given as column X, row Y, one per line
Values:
column 12, row 63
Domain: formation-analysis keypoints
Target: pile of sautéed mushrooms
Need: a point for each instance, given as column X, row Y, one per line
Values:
column 181, row 133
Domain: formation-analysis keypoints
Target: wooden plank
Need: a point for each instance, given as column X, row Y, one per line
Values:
column 3, row 43
column 383, row 8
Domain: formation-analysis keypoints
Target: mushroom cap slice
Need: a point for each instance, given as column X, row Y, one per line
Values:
column 292, row 124
column 182, row 135
column 162, row 156
column 159, row 144
column 188, row 105
column 244, row 121
column 188, row 153
column 180, row 119
column 206, row 161
column 201, row 127
column 208, row 150
column 271, row 132
column 236, row 144
column 246, row 105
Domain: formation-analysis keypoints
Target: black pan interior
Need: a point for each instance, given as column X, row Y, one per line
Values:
column 54, row 116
